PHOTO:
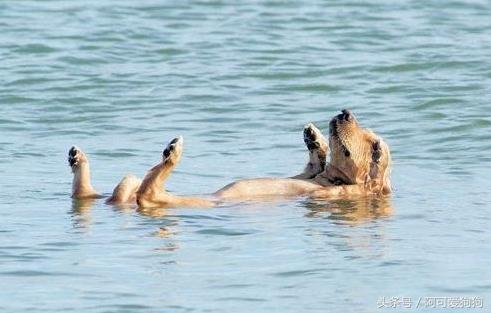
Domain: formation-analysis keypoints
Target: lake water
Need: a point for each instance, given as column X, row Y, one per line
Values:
column 239, row 81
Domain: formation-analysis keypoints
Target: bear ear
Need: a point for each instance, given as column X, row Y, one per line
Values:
column 379, row 176
column 376, row 151
column 376, row 154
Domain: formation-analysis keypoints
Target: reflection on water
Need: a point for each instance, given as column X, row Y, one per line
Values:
column 352, row 211
column 123, row 207
column 153, row 212
column 367, row 240
column 164, row 232
column 239, row 80
column 81, row 213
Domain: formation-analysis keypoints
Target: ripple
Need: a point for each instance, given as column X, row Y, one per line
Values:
column 223, row 232
column 82, row 60
column 301, row 273
column 170, row 51
column 33, row 273
column 34, row 49
column 239, row 81
column 442, row 102
column 245, row 299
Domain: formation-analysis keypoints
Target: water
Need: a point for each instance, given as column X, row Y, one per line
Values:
column 239, row 81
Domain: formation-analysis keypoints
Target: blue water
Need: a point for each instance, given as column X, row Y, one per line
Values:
column 239, row 81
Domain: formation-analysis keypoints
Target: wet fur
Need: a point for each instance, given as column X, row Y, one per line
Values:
column 359, row 164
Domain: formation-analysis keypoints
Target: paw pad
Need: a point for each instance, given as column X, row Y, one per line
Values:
column 170, row 147
column 166, row 152
column 310, row 138
column 72, row 156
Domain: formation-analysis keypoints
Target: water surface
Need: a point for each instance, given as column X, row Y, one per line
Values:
column 239, row 81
